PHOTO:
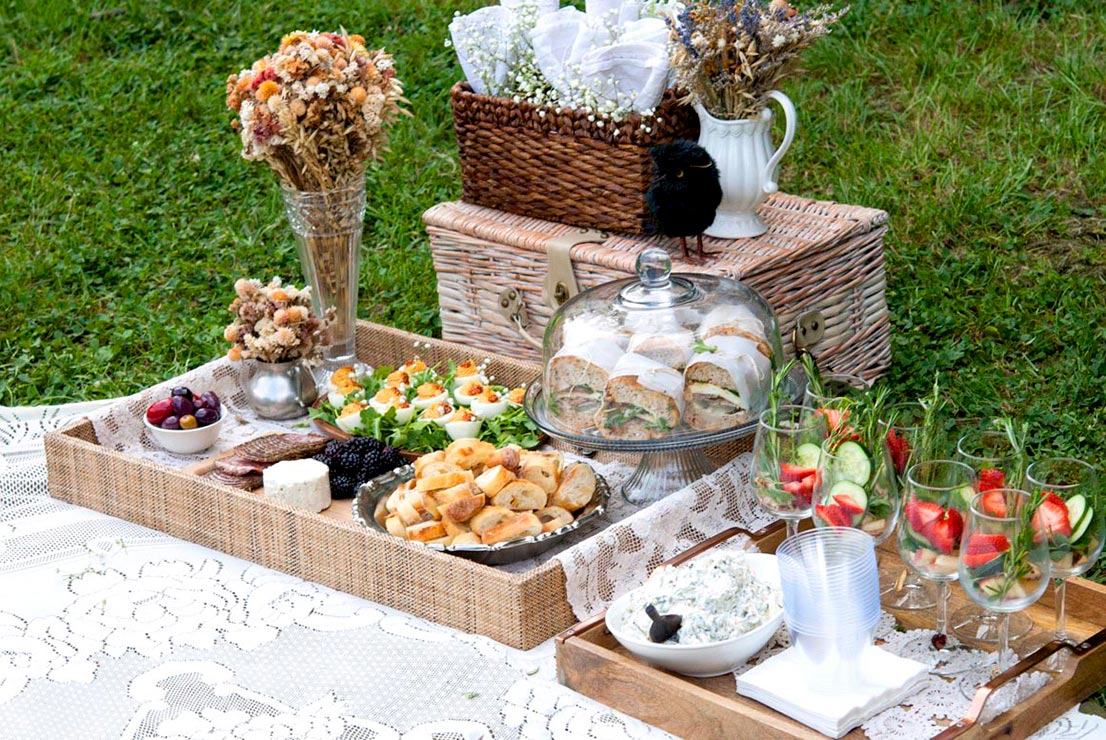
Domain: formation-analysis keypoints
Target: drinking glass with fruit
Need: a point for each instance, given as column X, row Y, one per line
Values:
column 855, row 486
column 833, row 390
column 938, row 495
column 785, row 460
column 998, row 463
column 902, row 425
column 1004, row 563
column 1069, row 520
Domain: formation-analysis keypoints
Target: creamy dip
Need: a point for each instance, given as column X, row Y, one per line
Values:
column 717, row 594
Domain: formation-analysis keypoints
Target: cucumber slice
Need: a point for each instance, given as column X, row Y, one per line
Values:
column 853, row 463
column 1079, row 513
column 851, row 492
column 806, row 455
column 961, row 499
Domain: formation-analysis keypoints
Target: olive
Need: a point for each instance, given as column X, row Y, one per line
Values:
column 211, row 400
column 188, row 421
column 170, row 422
column 183, row 406
column 182, row 391
column 206, row 415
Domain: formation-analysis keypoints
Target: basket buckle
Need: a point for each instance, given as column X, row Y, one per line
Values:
column 809, row 328
column 560, row 282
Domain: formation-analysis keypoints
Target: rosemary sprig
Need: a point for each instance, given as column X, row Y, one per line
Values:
column 1016, row 563
column 1016, row 436
column 813, row 374
column 776, row 396
column 930, row 431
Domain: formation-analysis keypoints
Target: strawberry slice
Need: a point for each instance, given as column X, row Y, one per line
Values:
column 922, row 514
column 944, row 534
column 1051, row 519
column 789, row 473
column 846, row 502
column 802, row 493
column 899, row 449
column 983, row 548
column 990, row 479
column 834, row 417
column 993, row 502
column 833, row 515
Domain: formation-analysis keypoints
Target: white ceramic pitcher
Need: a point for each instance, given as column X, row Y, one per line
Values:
column 747, row 165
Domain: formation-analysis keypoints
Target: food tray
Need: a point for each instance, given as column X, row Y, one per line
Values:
column 591, row 661
column 364, row 503
column 521, row 610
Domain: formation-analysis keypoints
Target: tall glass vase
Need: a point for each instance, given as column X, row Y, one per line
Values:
column 327, row 225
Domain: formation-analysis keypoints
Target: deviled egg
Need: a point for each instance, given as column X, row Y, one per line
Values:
column 439, row 413
column 412, row 367
column 488, row 404
column 398, row 379
column 465, row 394
column 428, row 394
column 349, row 420
column 466, row 372
column 388, row 398
column 515, row 396
column 462, row 424
column 342, row 384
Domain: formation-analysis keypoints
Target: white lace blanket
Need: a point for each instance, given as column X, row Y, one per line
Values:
column 108, row 629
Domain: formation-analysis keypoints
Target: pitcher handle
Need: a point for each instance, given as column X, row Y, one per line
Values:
column 791, row 120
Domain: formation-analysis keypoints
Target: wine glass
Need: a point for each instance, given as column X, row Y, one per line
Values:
column 856, row 488
column 937, row 497
column 1004, row 562
column 909, row 592
column 996, row 465
column 835, row 386
column 1070, row 521
column 785, row 460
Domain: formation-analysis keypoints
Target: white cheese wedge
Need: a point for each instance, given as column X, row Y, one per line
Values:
column 301, row 484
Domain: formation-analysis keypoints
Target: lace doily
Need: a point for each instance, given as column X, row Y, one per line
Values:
column 619, row 558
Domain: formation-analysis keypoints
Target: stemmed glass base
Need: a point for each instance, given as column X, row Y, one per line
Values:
column 660, row 473
column 909, row 593
column 973, row 624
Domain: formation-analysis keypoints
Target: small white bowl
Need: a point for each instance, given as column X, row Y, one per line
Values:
column 186, row 441
column 708, row 659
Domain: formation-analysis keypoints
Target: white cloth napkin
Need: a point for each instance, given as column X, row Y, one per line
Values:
column 885, row 681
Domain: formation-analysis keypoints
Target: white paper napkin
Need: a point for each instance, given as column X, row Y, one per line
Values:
column 885, row 681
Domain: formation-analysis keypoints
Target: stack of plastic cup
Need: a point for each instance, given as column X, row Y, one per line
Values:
column 830, row 586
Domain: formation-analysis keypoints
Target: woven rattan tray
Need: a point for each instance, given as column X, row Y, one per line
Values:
column 592, row 662
column 520, row 610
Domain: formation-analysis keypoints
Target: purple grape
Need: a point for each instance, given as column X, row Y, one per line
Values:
column 170, row 422
column 183, row 406
column 206, row 416
column 182, row 391
column 211, row 400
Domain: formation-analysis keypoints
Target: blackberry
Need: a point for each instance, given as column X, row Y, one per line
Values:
column 342, row 486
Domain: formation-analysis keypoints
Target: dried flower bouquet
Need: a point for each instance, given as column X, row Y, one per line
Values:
column 274, row 323
column 729, row 54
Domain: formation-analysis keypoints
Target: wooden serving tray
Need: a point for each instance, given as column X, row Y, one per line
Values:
column 591, row 661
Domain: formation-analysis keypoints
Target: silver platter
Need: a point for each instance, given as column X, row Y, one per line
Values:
column 364, row 504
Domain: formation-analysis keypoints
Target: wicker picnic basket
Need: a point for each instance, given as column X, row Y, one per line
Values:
column 558, row 165
column 501, row 276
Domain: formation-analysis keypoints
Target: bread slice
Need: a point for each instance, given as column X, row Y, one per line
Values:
column 512, row 528
column 453, row 528
column 426, row 531
column 488, row 517
column 466, row 538
column 438, row 468
column 396, row 527
column 444, row 480
column 541, row 470
column 553, row 518
column 521, row 495
column 468, row 453
column 428, row 459
column 446, row 496
column 507, row 457
column 463, row 509
column 577, row 487
column 493, row 479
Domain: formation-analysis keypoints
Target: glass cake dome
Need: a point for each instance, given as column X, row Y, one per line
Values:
column 661, row 361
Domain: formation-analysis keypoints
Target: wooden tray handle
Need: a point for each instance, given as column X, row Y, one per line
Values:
column 683, row 557
column 1092, row 645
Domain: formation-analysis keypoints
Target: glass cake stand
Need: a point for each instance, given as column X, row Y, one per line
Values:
column 667, row 464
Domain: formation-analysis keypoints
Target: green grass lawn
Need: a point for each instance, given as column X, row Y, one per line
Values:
column 126, row 212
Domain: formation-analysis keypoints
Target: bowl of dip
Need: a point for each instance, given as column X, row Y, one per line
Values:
column 731, row 605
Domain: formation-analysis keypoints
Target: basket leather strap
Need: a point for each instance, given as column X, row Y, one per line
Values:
column 560, row 281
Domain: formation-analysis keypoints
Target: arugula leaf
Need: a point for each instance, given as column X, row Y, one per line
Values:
column 702, row 346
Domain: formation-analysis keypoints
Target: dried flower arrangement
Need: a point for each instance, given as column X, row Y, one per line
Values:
column 274, row 323
column 317, row 109
column 729, row 54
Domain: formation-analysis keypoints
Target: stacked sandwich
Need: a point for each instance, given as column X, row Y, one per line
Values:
column 656, row 374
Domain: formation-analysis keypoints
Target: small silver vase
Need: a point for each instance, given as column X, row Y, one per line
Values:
column 280, row 390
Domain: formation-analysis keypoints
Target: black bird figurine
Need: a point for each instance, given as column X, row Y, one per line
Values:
column 684, row 193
